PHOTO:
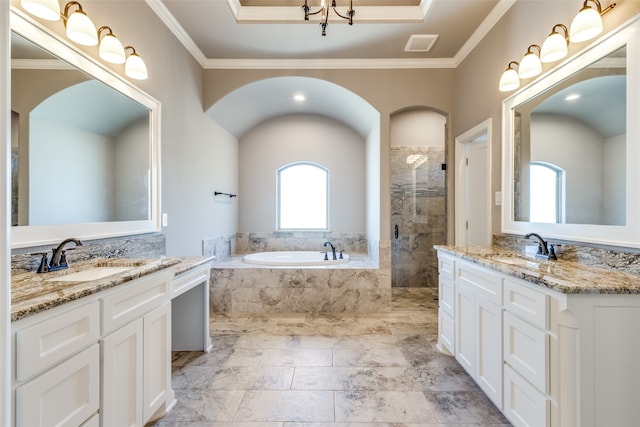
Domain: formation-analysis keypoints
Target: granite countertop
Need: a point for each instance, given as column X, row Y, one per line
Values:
column 188, row 263
column 562, row 276
column 32, row 293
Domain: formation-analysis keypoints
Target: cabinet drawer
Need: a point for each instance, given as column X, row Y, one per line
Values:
column 446, row 266
column 446, row 332
column 446, row 297
column 526, row 303
column 186, row 281
column 525, row 350
column 133, row 301
column 53, row 340
column 524, row 406
column 66, row 395
column 480, row 281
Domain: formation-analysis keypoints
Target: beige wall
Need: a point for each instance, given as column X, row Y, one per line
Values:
column 476, row 95
column 387, row 91
column 197, row 156
column 301, row 138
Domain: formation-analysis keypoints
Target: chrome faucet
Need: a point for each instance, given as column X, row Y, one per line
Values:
column 544, row 251
column 333, row 249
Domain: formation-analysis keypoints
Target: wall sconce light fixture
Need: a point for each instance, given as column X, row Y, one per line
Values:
column 135, row 67
column 588, row 22
column 510, row 79
column 79, row 26
column 80, row 29
column 111, row 50
column 586, row 25
column 530, row 65
column 49, row 10
column 555, row 46
column 324, row 9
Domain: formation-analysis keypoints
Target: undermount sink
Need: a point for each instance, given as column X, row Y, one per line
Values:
column 520, row 262
column 90, row 274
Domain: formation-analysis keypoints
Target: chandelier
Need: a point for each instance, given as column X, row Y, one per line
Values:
column 324, row 10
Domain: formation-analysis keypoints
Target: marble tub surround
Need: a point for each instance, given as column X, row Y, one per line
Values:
column 151, row 245
column 563, row 275
column 626, row 260
column 354, row 287
column 300, row 241
column 32, row 293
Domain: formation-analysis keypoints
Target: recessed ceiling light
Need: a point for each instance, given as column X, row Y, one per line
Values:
column 572, row 97
column 299, row 97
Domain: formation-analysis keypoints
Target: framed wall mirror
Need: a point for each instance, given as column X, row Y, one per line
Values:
column 571, row 149
column 84, row 144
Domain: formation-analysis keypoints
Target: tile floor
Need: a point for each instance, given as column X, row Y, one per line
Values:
column 378, row 370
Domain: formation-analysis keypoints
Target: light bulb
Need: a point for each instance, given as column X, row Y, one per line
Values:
column 554, row 48
column 510, row 79
column 135, row 67
column 81, row 30
column 586, row 25
column 111, row 50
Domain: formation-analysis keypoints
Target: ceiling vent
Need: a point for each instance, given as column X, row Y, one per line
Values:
column 420, row 43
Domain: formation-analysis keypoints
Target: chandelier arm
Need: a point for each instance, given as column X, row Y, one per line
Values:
column 348, row 16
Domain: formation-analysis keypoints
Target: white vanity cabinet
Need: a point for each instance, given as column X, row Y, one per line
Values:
column 527, row 354
column 136, row 356
column 478, row 327
column 56, row 366
column 446, row 304
column 104, row 359
column 558, row 359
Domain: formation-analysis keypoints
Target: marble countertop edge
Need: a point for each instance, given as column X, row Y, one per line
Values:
column 563, row 276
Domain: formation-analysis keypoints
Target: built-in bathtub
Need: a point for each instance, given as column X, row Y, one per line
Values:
column 299, row 282
column 295, row 258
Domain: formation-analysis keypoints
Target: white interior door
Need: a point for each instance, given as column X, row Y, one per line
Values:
column 473, row 207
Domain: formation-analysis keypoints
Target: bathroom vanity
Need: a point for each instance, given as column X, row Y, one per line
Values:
column 551, row 343
column 92, row 350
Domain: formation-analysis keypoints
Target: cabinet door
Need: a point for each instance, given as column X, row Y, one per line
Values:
column 524, row 405
column 66, row 395
column 465, row 333
column 122, row 357
column 489, row 356
column 157, row 361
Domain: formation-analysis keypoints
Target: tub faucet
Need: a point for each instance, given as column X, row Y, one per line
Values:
column 544, row 251
column 333, row 249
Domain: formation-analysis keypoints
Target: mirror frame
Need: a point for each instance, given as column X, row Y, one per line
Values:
column 629, row 234
column 27, row 236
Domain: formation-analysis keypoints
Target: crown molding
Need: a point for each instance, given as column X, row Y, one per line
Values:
column 483, row 29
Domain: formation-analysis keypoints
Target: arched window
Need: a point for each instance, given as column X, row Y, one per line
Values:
column 546, row 203
column 303, row 197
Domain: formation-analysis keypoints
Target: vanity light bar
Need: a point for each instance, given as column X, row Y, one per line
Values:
column 80, row 29
column 585, row 26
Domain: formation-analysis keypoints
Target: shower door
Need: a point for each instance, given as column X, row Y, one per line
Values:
column 418, row 214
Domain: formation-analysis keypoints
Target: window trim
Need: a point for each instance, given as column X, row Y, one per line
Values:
column 327, row 196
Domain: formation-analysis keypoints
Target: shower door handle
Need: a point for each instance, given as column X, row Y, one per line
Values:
column 395, row 231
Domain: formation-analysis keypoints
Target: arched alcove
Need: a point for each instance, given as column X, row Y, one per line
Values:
column 418, row 139
column 264, row 105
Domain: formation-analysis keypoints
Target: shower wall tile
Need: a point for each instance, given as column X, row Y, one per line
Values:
column 418, row 208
